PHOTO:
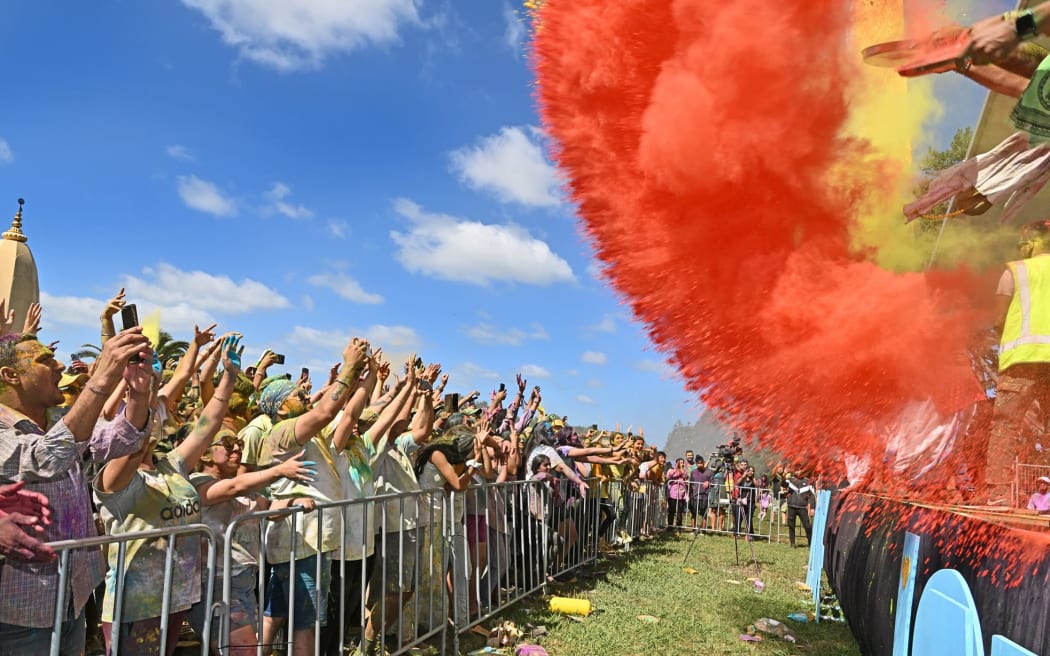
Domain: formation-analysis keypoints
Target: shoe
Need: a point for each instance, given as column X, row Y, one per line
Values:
column 187, row 636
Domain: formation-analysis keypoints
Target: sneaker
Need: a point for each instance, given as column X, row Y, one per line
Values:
column 187, row 636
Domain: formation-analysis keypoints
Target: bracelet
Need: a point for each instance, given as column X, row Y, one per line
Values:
column 96, row 389
column 340, row 381
column 109, row 334
column 224, row 400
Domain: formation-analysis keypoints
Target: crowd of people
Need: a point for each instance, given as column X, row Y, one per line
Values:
column 128, row 443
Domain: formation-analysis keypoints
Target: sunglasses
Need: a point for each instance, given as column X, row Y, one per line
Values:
column 228, row 444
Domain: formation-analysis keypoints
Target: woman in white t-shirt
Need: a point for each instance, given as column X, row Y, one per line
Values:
column 139, row 493
column 225, row 496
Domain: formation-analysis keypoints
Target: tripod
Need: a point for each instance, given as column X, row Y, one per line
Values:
column 737, row 510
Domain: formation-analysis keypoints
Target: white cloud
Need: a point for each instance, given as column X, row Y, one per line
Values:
column 338, row 228
column 396, row 341
column 572, row 372
column 177, row 318
column 289, row 35
column 277, row 195
column 449, row 248
column 654, row 367
column 469, row 371
column 167, row 286
column 594, row 383
column 308, row 302
column 514, row 32
column 71, row 310
column 175, row 151
column 510, row 165
column 6, row 154
column 584, row 399
column 344, row 286
column 594, row 357
column 486, row 333
column 534, row 371
column 204, row 196
column 606, row 325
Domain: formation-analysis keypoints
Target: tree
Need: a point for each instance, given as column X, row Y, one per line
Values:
column 168, row 347
column 87, row 351
column 935, row 161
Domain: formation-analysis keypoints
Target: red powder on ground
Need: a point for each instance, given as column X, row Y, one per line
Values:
column 700, row 139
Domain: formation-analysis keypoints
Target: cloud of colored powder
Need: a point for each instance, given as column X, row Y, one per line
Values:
column 741, row 174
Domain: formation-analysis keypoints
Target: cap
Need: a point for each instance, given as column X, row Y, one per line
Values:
column 69, row 380
column 1043, row 479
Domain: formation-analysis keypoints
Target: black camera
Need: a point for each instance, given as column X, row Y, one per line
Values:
column 728, row 452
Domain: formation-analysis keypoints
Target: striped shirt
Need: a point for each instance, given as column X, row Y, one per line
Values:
column 52, row 463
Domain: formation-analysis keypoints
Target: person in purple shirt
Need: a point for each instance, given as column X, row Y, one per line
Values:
column 699, row 483
column 1040, row 500
column 49, row 459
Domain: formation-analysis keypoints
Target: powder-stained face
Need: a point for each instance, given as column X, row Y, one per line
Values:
column 37, row 373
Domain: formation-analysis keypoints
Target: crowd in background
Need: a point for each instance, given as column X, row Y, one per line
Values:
column 130, row 443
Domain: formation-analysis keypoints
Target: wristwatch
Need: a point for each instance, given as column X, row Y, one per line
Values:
column 1026, row 26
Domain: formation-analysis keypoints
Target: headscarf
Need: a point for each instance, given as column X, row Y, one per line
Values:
column 274, row 394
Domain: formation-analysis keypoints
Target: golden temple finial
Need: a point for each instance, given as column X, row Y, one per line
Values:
column 15, row 233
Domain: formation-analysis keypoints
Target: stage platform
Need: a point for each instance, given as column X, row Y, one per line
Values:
column 1004, row 557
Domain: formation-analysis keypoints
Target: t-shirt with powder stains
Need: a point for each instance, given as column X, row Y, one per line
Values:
column 327, row 487
column 162, row 497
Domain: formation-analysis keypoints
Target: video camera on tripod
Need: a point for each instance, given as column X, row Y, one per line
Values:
column 727, row 453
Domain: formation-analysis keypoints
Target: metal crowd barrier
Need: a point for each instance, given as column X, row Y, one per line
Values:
column 1025, row 477
column 505, row 555
column 64, row 547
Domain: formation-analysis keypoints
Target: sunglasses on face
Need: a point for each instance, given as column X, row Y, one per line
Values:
column 229, row 445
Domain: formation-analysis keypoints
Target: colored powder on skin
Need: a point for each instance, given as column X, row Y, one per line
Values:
column 718, row 156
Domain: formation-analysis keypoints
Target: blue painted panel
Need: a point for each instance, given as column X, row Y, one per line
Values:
column 905, row 595
column 816, row 547
column 946, row 623
column 1004, row 647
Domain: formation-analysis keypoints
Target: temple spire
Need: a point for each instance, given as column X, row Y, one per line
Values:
column 15, row 233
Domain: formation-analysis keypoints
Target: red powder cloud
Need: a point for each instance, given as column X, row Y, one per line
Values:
column 703, row 144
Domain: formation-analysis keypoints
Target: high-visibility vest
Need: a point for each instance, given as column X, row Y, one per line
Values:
column 1026, row 332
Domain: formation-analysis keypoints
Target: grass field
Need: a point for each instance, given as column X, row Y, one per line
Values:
column 698, row 613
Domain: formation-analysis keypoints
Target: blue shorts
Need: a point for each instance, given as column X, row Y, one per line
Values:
column 244, row 610
column 307, row 591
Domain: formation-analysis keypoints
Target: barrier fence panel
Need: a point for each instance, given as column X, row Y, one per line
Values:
column 1026, row 481
column 120, row 543
column 506, row 551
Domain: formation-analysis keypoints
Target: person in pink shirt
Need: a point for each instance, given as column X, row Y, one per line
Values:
column 1040, row 499
column 677, row 483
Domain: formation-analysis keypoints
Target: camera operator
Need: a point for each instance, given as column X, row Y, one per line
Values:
column 801, row 503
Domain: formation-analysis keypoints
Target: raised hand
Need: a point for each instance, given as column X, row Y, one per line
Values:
column 114, row 305
column 521, row 384
column 15, row 499
column 32, row 322
column 430, row 374
column 139, row 374
column 117, row 352
column 202, row 337
column 355, row 353
column 992, row 39
column 7, row 318
column 231, row 356
column 15, row 541
column 297, row 469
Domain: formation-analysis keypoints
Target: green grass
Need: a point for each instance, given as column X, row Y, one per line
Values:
column 699, row 613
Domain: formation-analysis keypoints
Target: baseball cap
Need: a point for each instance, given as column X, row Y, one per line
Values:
column 1043, row 479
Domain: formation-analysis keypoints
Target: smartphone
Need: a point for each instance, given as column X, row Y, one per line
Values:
column 305, row 373
column 129, row 315
column 278, row 358
column 452, row 403
column 594, row 427
column 503, row 387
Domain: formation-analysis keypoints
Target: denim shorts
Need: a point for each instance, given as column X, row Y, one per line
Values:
column 244, row 609
column 307, row 591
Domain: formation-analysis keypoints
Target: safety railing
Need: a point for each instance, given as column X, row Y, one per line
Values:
column 1026, row 480
column 120, row 568
column 405, row 568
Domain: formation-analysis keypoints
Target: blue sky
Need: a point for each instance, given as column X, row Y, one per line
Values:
column 348, row 168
